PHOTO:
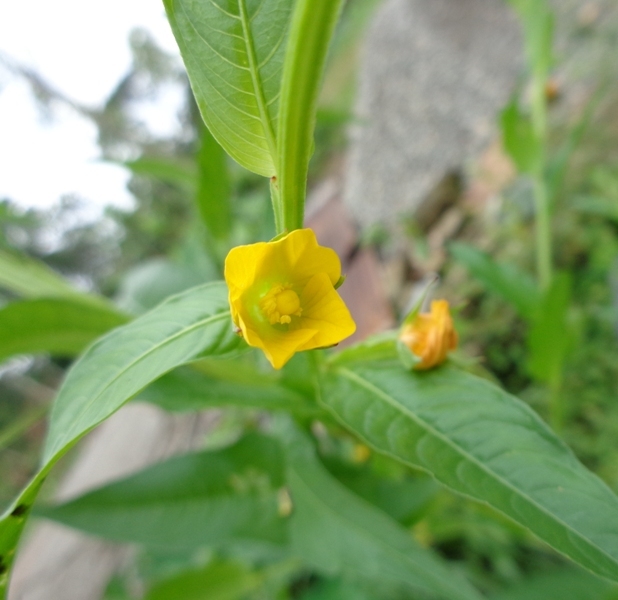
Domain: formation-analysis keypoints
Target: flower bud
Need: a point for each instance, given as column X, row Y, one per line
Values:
column 430, row 336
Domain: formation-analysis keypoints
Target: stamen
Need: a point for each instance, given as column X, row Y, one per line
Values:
column 280, row 304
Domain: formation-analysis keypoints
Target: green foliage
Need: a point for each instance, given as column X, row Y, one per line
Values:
column 188, row 390
column 506, row 280
column 33, row 279
column 338, row 533
column 204, row 499
column 220, row 580
column 233, row 52
column 520, row 140
column 309, row 511
column 551, row 335
column 113, row 370
column 59, row 326
column 214, row 188
column 445, row 422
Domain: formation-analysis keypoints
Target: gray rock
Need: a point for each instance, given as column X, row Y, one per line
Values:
column 434, row 76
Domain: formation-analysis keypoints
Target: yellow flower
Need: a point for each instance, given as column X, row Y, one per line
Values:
column 283, row 297
column 430, row 336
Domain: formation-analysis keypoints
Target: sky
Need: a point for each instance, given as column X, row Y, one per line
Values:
column 81, row 48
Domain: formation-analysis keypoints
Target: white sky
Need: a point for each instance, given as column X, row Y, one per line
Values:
column 81, row 48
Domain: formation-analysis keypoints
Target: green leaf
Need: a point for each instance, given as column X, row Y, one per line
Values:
column 59, row 326
column 311, row 30
column 207, row 498
column 520, row 140
column 233, row 52
column 561, row 585
column 483, row 443
column 338, row 590
column 112, row 371
column 165, row 169
column 188, row 390
column 214, row 188
column 31, row 278
column 597, row 206
column 381, row 346
column 550, row 335
column 216, row 581
column 506, row 280
column 338, row 533
column 538, row 24
column 401, row 499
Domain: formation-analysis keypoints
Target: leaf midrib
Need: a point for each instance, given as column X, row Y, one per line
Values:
column 430, row 429
column 257, row 82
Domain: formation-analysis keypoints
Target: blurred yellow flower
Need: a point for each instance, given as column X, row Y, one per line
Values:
column 283, row 298
column 430, row 336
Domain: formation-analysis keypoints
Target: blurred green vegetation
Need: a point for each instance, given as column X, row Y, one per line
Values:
column 161, row 247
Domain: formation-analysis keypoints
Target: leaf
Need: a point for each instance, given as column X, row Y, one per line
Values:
column 401, row 499
column 165, row 169
column 201, row 499
column 112, row 371
column 338, row 533
column 550, row 335
column 565, row 584
column 513, row 285
column 483, row 443
column 188, row 390
column 380, row 346
column 216, row 581
column 233, row 52
column 214, row 188
column 311, row 30
column 597, row 206
column 338, row 590
column 520, row 140
column 59, row 326
column 31, row 278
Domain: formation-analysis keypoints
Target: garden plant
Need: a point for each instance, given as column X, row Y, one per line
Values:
column 340, row 451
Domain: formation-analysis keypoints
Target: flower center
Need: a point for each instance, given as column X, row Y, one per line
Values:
column 280, row 304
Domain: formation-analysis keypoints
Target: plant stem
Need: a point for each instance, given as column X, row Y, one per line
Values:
column 543, row 232
column 541, row 196
column 278, row 208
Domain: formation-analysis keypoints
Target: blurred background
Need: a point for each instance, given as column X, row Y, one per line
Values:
column 105, row 171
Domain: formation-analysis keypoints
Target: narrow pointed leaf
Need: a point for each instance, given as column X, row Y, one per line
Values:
column 112, row 371
column 339, row 533
column 214, row 188
column 201, row 499
column 233, row 52
column 516, row 287
column 58, row 326
column 31, row 278
column 480, row 441
column 188, row 390
column 220, row 581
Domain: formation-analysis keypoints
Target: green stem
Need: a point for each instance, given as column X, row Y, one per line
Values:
column 311, row 30
column 556, row 417
column 543, row 232
column 278, row 208
column 541, row 195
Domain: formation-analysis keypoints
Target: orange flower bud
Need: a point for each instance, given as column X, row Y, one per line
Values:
column 430, row 336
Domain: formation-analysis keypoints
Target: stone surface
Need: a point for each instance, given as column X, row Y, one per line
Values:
column 434, row 76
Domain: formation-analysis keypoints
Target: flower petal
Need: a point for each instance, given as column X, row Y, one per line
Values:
column 278, row 346
column 298, row 257
column 325, row 312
